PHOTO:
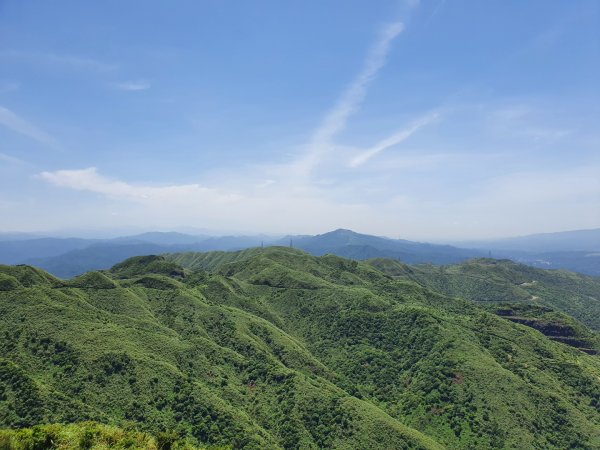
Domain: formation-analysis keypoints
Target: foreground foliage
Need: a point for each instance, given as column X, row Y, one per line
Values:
column 88, row 436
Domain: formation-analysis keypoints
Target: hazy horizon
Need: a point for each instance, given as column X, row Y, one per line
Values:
column 423, row 120
column 112, row 233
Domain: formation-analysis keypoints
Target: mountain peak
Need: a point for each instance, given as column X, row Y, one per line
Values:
column 341, row 231
column 142, row 265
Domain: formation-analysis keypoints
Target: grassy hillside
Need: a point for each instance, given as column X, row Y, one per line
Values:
column 490, row 280
column 172, row 353
column 209, row 261
column 278, row 349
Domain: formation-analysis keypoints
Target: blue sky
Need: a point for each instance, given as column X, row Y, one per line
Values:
column 426, row 120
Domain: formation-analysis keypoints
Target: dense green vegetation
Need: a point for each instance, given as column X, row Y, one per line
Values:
column 274, row 348
column 490, row 280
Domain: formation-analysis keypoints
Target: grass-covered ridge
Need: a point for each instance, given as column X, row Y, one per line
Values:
column 273, row 348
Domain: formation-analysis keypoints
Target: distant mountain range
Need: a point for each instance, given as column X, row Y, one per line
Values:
column 564, row 241
column 577, row 250
column 348, row 244
column 66, row 257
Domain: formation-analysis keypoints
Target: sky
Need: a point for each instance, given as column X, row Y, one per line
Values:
column 430, row 120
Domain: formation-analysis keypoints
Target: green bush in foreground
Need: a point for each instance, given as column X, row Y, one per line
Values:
column 89, row 436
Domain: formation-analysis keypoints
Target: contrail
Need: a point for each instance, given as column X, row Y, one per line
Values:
column 335, row 121
column 394, row 139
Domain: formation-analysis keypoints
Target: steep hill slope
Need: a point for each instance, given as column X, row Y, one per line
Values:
column 280, row 349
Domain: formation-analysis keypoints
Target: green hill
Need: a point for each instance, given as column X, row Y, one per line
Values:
column 490, row 280
column 273, row 348
column 209, row 261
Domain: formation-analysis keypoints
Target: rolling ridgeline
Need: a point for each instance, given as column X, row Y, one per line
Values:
column 274, row 348
column 578, row 251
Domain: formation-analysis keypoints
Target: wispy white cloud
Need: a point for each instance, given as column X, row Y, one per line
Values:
column 420, row 159
column 287, row 206
column 138, row 85
column 90, row 180
column 10, row 159
column 58, row 60
column 563, row 197
column 335, row 121
column 392, row 140
column 416, row 160
column 19, row 125
column 528, row 122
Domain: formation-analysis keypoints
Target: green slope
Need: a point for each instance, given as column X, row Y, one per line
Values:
column 209, row 261
column 279, row 349
column 490, row 280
